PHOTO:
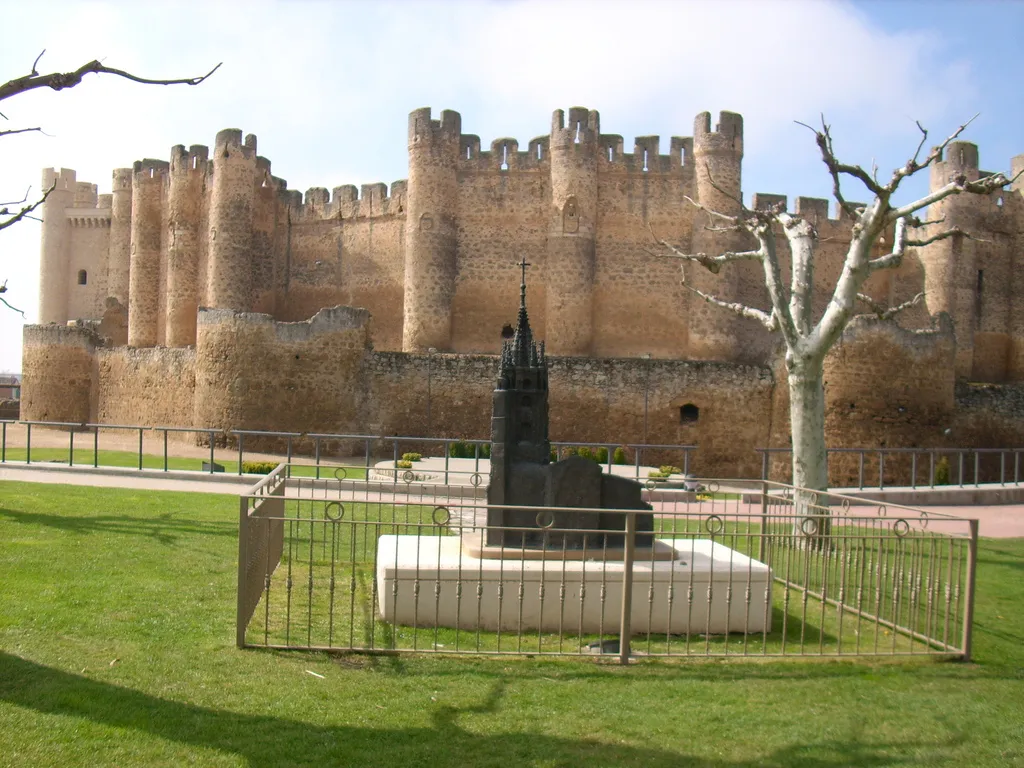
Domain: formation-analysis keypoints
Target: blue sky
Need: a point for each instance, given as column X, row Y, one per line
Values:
column 327, row 86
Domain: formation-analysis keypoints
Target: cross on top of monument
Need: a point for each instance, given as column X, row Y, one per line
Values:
column 522, row 286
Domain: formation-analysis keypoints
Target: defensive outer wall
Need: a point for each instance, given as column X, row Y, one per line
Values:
column 202, row 291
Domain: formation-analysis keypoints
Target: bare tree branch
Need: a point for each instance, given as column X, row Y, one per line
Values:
column 768, row 320
column 3, row 289
column 958, row 185
column 886, row 313
column 912, row 166
column 22, row 130
column 712, row 263
column 61, row 80
column 23, row 213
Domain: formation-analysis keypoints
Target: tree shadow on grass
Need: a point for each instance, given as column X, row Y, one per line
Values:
column 164, row 529
column 264, row 740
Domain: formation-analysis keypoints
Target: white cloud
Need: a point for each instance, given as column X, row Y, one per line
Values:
column 327, row 86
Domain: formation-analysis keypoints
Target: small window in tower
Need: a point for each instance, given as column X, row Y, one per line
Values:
column 83, row 277
column 688, row 414
column 504, row 157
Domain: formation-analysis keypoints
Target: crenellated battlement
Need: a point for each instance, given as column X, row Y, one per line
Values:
column 62, row 180
column 727, row 138
column 150, row 169
column 424, row 130
column 195, row 159
column 229, row 142
column 347, row 201
column 814, row 209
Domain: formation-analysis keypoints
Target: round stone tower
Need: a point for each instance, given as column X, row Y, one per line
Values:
column 569, row 274
column 54, row 255
column 119, row 254
column 718, row 158
column 229, row 282
column 430, row 230
column 185, row 198
column 148, row 190
column 950, row 265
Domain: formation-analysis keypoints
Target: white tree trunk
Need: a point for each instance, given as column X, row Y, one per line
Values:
column 810, row 465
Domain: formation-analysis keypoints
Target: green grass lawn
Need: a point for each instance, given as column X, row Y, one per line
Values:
column 85, row 457
column 117, row 648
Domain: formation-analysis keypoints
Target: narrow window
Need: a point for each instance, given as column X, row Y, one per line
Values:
column 540, row 151
column 577, row 133
column 977, row 299
column 611, row 154
column 999, row 201
column 688, row 414
column 504, row 157
column 682, row 155
column 645, row 161
column 83, row 278
column 469, row 153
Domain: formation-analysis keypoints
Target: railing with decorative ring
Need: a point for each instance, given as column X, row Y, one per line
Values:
column 739, row 568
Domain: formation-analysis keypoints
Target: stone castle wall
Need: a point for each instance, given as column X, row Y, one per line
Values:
column 433, row 258
column 431, row 265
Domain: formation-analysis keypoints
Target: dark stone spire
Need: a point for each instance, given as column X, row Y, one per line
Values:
column 522, row 351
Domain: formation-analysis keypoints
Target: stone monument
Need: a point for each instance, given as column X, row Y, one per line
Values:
column 522, row 474
column 551, row 555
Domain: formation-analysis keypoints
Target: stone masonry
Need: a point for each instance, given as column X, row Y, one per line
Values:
column 432, row 265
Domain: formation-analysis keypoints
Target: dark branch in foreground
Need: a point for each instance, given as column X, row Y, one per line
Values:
column 3, row 289
column 60, row 80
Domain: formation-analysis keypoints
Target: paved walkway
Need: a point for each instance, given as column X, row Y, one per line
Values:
column 996, row 521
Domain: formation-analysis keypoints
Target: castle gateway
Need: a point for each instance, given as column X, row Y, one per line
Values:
column 211, row 295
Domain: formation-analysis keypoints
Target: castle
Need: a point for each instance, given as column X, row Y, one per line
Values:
column 210, row 294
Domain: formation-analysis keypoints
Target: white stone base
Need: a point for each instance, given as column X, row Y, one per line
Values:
column 420, row 579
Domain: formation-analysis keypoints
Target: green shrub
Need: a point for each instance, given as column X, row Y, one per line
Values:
column 668, row 469
column 258, row 467
column 656, row 474
column 460, row 449
column 602, row 455
column 554, row 455
column 619, row 456
column 412, row 456
column 941, row 472
column 403, row 464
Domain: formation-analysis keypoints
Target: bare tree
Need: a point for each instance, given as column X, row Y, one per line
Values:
column 790, row 314
column 11, row 212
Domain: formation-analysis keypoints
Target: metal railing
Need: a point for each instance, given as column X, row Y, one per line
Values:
column 325, row 449
column 740, row 569
column 908, row 467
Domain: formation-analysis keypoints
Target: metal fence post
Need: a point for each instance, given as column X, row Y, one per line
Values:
column 95, row 447
column 28, row 443
column 625, row 629
column 210, row 435
column 243, row 556
column 241, row 440
column 71, row 447
column 972, row 562
column 764, row 520
column 140, row 448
